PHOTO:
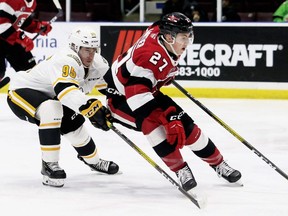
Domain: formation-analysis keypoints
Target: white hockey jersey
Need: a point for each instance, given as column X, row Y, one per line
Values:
column 63, row 76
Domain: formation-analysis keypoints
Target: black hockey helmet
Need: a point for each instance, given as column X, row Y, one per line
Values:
column 174, row 23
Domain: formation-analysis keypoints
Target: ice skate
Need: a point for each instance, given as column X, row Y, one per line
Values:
column 228, row 173
column 53, row 174
column 186, row 178
column 103, row 166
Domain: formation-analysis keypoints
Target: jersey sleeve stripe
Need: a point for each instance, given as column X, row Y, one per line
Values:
column 146, row 109
column 142, row 86
column 6, row 9
column 62, row 86
column 138, row 100
column 65, row 80
column 142, row 72
column 101, row 86
column 7, row 18
column 66, row 91
column 7, row 33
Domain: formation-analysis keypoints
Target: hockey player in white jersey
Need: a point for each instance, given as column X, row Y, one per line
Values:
column 53, row 96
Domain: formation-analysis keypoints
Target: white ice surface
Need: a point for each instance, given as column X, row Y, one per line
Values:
column 141, row 190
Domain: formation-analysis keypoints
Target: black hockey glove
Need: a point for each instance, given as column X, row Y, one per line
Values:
column 98, row 115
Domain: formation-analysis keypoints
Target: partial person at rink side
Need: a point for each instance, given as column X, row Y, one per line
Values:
column 135, row 100
column 53, row 96
column 281, row 14
column 15, row 45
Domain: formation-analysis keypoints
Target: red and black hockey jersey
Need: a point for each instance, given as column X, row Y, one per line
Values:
column 15, row 15
column 143, row 70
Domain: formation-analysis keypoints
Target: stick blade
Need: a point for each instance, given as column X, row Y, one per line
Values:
column 60, row 13
column 199, row 196
column 4, row 82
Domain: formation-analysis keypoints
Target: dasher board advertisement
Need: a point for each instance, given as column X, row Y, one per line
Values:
column 243, row 52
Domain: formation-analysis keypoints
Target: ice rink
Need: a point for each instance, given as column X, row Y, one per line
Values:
column 140, row 190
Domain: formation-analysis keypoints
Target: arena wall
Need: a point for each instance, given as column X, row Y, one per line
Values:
column 243, row 60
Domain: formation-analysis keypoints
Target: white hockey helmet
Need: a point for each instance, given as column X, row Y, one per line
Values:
column 84, row 36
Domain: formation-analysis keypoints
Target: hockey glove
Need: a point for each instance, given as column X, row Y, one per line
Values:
column 43, row 27
column 98, row 115
column 24, row 41
column 174, row 128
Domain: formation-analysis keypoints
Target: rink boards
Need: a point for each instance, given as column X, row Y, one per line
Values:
column 243, row 60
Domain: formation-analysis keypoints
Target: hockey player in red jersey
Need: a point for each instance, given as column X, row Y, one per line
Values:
column 52, row 95
column 135, row 100
column 15, row 45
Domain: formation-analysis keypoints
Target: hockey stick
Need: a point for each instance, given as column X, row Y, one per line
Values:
column 4, row 82
column 159, row 169
column 59, row 14
column 241, row 139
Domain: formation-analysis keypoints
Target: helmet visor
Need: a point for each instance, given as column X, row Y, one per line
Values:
column 184, row 38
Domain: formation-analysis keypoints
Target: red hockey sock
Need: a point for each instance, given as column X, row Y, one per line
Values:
column 214, row 159
column 174, row 161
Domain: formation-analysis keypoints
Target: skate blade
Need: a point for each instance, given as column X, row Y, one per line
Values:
column 103, row 173
column 239, row 183
column 53, row 182
column 200, row 196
